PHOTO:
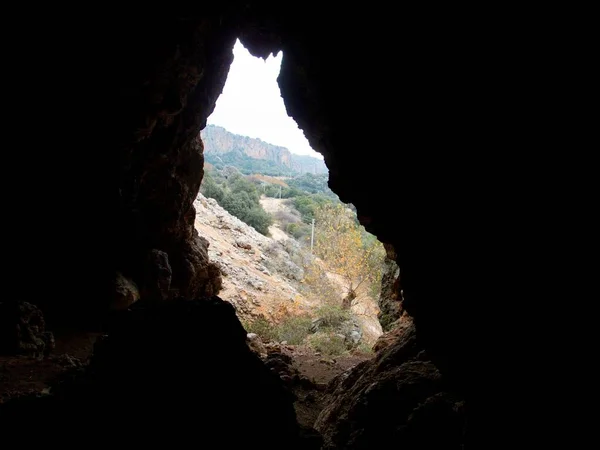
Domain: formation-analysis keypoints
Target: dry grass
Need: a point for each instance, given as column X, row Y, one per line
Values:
column 268, row 179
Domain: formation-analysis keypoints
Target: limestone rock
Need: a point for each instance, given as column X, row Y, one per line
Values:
column 390, row 297
column 126, row 293
column 243, row 244
column 396, row 400
column 398, row 329
column 255, row 344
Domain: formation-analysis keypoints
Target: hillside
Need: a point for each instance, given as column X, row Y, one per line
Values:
column 264, row 276
column 252, row 155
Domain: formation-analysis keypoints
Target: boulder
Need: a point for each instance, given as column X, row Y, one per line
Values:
column 396, row 400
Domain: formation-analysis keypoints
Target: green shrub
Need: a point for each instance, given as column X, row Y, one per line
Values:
column 329, row 344
column 294, row 329
column 262, row 327
column 240, row 198
column 258, row 218
column 386, row 321
column 298, row 230
column 363, row 347
column 332, row 315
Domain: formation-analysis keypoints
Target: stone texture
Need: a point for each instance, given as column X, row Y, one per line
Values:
column 398, row 399
column 126, row 293
column 23, row 330
column 390, row 297
column 397, row 330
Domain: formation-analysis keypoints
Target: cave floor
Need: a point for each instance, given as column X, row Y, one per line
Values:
column 20, row 375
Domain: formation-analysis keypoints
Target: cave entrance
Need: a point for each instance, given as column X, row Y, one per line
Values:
column 300, row 270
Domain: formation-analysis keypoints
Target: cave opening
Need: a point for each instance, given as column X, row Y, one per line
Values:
column 162, row 80
column 302, row 273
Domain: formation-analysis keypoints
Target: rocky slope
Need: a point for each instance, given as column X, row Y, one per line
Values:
column 219, row 141
column 259, row 275
column 262, row 276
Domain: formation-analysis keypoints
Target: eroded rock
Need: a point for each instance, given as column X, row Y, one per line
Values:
column 396, row 400
column 126, row 293
column 390, row 297
column 23, row 330
column 182, row 371
column 255, row 344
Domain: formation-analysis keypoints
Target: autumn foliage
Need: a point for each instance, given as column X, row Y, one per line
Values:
column 347, row 250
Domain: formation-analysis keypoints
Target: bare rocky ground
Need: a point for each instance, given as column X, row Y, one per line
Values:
column 262, row 275
column 259, row 275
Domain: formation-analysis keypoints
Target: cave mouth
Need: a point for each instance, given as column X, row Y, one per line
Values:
column 261, row 169
column 170, row 73
column 336, row 319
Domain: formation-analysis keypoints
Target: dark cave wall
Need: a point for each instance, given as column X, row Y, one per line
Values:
column 153, row 82
column 109, row 194
column 390, row 296
column 104, row 180
column 412, row 87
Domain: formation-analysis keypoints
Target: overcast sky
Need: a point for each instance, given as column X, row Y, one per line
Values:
column 251, row 104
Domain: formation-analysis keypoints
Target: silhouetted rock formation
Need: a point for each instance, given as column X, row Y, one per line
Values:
column 398, row 399
column 176, row 373
column 102, row 147
column 390, row 297
column 23, row 330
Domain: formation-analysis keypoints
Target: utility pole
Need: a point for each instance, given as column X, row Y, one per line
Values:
column 279, row 191
column 312, row 236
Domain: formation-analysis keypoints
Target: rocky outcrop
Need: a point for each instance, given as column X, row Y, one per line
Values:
column 398, row 399
column 181, row 371
column 397, row 330
column 126, row 293
column 23, row 330
column 258, row 272
column 390, row 297
column 218, row 141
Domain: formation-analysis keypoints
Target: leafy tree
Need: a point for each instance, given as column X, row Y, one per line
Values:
column 312, row 184
column 307, row 205
column 211, row 189
column 347, row 249
column 258, row 218
column 240, row 197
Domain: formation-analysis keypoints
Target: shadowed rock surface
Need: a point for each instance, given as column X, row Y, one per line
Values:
column 398, row 399
column 390, row 297
column 182, row 372
column 103, row 124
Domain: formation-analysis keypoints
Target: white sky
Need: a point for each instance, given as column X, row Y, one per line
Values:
column 251, row 104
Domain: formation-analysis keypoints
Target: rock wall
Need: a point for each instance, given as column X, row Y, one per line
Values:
column 110, row 193
column 390, row 297
column 218, row 140
column 104, row 117
column 177, row 373
column 397, row 399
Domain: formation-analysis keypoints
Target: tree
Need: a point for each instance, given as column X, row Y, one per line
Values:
column 211, row 189
column 347, row 249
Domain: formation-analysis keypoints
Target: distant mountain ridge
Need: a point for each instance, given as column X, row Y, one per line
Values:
column 251, row 155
